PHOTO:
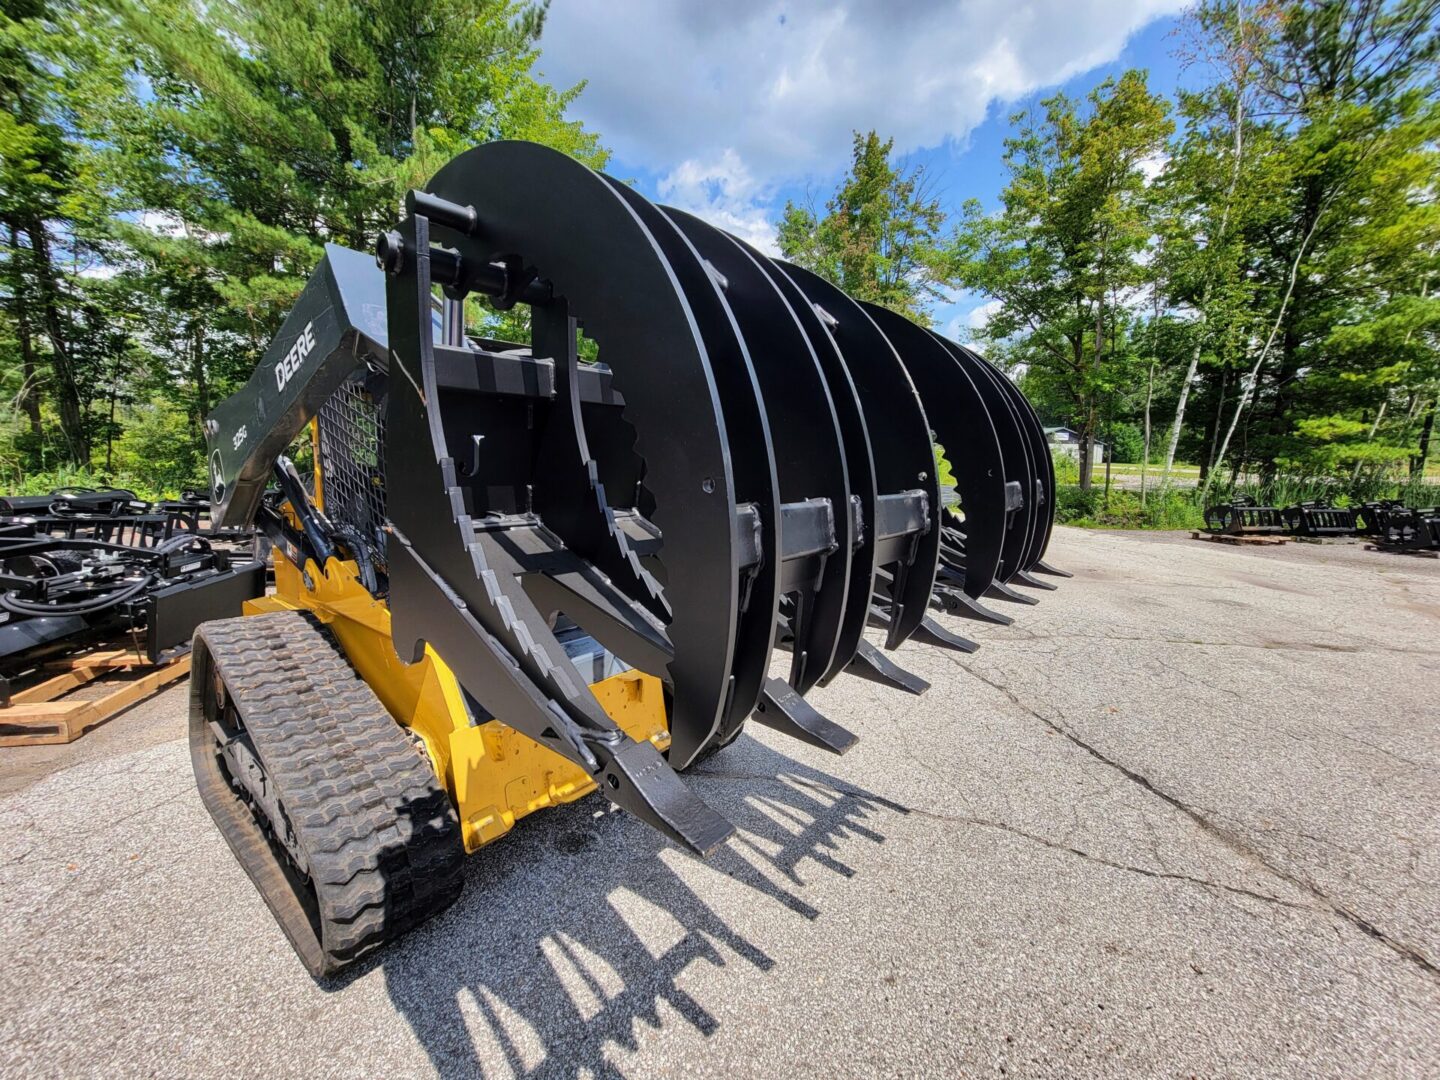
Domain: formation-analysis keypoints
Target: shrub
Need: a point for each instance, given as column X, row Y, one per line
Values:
column 1173, row 509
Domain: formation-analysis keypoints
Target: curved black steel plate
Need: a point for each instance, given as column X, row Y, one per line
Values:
column 1017, row 456
column 752, row 458
column 962, row 424
column 567, row 223
column 809, row 455
column 899, row 435
column 859, row 461
column 1044, row 463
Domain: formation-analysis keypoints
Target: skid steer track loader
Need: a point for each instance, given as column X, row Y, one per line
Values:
column 520, row 577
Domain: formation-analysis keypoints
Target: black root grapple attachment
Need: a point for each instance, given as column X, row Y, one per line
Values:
column 749, row 466
column 1397, row 527
column 1241, row 516
column 1319, row 519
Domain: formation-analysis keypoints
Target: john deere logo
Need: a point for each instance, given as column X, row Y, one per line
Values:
column 303, row 347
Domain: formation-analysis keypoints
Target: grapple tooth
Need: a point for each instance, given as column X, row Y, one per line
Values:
column 1043, row 567
column 636, row 778
column 998, row 590
column 1031, row 582
column 784, row 710
column 872, row 664
column 932, row 633
column 955, row 602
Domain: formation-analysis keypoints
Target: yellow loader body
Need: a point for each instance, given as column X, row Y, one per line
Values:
column 494, row 775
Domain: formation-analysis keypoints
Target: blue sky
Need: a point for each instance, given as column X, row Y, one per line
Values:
column 728, row 110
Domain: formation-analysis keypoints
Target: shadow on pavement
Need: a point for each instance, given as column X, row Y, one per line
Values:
column 584, row 890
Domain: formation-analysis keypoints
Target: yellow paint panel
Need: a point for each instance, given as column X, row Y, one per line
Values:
column 494, row 774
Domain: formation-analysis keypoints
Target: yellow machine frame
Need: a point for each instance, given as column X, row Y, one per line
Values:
column 494, row 774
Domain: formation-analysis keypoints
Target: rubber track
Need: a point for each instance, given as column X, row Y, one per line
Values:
column 377, row 828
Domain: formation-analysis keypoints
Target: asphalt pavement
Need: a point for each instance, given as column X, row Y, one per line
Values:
column 1181, row 819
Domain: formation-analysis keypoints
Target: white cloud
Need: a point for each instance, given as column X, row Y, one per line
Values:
column 777, row 88
column 980, row 317
column 722, row 191
column 1152, row 166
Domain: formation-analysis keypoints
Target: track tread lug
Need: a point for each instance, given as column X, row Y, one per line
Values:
column 378, row 830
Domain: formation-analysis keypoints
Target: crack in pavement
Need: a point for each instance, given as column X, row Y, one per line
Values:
column 1225, row 836
column 1014, row 830
column 1017, row 637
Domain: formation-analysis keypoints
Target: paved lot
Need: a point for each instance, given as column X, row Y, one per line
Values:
column 1181, row 819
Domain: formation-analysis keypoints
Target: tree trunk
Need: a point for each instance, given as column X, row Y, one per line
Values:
column 1087, row 468
column 1145, row 454
column 67, row 392
column 1427, row 427
column 28, row 397
column 198, row 377
column 1215, row 422
column 1235, row 160
column 1248, row 388
column 1379, row 415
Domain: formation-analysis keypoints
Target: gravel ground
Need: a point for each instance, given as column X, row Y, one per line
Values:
column 1181, row 819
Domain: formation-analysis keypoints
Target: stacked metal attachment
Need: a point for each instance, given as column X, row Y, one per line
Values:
column 78, row 566
column 1397, row 527
column 750, row 466
column 1242, row 516
column 1319, row 519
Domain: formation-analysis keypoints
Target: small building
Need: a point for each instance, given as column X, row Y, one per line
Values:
column 1064, row 440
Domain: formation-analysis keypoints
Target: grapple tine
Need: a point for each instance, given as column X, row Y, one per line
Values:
column 1043, row 567
column 1031, row 582
column 1021, row 515
column 872, row 664
column 929, row 632
column 810, row 457
column 998, row 590
column 955, row 602
column 784, row 710
column 963, row 425
column 907, row 540
column 752, row 462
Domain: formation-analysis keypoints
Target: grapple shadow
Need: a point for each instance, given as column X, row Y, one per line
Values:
column 575, row 930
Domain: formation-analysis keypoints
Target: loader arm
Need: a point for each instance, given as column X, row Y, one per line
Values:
column 337, row 325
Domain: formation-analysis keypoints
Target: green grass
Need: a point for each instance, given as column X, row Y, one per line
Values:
column 1183, row 508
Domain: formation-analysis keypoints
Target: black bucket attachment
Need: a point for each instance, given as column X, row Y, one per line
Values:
column 1242, row 517
column 749, row 465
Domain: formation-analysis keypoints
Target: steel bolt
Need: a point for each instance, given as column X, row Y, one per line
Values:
column 390, row 252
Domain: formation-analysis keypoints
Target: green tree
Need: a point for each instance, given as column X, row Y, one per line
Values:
column 1064, row 253
column 57, row 70
column 273, row 126
column 878, row 237
column 1345, row 247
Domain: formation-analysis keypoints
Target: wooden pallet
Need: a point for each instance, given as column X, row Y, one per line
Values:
column 1240, row 541
column 1419, row 553
column 42, row 715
